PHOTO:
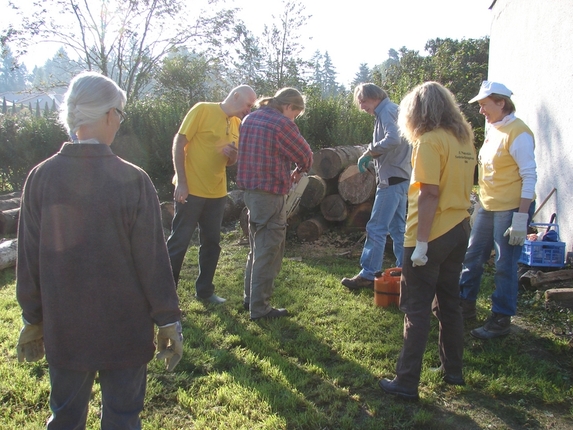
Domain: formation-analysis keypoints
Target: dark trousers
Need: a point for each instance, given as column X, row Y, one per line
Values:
column 122, row 392
column 433, row 287
column 208, row 215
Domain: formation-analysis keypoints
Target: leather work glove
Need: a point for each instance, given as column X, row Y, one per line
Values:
column 170, row 344
column 419, row 257
column 363, row 162
column 518, row 229
column 31, row 343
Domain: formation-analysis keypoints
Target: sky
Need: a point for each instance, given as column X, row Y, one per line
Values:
column 363, row 31
column 353, row 31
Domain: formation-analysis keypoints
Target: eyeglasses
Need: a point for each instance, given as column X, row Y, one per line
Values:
column 228, row 125
column 121, row 114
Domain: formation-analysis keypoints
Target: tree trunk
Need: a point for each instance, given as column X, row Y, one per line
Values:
column 234, row 205
column 355, row 187
column 9, row 221
column 8, row 196
column 329, row 162
column 333, row 208
column 244, row 221
column 358, row 217
column 167, row 214
column 8, row 253
column 11, row 203
column 535, row 280
column 314, row 192
column 311, row 229
column 559, row 297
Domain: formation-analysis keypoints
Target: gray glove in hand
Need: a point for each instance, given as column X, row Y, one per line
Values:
column 31, row 343
column 419, row 257
column 518, row 229
column 170, row 344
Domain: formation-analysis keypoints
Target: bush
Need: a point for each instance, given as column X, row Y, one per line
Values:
column 24, row 142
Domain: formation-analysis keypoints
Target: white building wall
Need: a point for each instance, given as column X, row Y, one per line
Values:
column 531, row 52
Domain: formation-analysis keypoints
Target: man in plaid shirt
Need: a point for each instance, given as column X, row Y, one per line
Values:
column 270, row 143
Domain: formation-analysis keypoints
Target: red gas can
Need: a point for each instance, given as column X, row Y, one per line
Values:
column 387, row 287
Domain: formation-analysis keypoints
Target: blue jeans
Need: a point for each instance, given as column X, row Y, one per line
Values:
column 388, row 216
column 122, row 391
column 208, row 215
column 433, row 288
column 487, row 234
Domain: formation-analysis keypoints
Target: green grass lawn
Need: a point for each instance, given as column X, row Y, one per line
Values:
column 319, row 368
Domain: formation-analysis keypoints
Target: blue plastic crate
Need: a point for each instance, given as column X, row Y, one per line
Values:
column 541, row 253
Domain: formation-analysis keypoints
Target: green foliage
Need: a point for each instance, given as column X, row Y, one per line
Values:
column 26, row 140
column 460, row 65
column 333, row 121
column 146, row 139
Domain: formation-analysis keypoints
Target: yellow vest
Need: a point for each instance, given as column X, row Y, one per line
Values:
column 499, row 180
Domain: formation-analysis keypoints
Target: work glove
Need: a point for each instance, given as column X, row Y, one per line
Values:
column 518, row 229
column 31, row 342
column 170, row 344
column 363, row 162
column 419, row 257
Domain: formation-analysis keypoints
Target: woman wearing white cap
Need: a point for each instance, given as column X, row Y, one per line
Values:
column 507, row 177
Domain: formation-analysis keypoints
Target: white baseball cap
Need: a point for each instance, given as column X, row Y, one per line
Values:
column 488, row 88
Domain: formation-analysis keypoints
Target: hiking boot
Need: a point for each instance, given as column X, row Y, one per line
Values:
column 273, row 313
column 495, row 326
column 357, row 283
column 449, row 378
column 468, row 309
column 393, row 387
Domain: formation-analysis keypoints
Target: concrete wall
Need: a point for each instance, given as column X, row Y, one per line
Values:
column 531, row 52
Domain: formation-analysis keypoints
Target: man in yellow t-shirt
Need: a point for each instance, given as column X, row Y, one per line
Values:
column 207, row 142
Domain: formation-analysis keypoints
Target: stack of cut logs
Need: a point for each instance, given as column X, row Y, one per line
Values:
column 337, row 194
column 9, row 213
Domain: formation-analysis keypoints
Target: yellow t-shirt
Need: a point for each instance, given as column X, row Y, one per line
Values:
column 208, row 130
column 438, row 158
column 499, row 179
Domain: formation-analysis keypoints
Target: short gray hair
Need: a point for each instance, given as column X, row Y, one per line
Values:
column 89, row 96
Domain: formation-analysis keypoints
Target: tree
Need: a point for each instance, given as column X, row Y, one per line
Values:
column 125, row 40
column 56, row 72
column 460, row 66
column 187, row 78
column 13, row 76
column 363, row 75
column 281, row 48
column 330, row 86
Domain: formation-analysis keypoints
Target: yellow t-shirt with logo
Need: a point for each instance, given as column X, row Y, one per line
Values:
column 438, row 158
column 208, row 130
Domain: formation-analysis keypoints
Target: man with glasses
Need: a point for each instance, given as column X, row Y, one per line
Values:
column 205, row 145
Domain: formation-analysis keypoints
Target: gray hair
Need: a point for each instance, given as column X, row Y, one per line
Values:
column 89, row 96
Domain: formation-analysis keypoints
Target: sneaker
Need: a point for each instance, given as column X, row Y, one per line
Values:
column 468, row 309
column 449, row 378
column 273, row 313
column 393, row 387
column 213, row 299
column 357, row 282
column 495, row 326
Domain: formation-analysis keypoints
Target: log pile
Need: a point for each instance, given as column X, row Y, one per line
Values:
column 337, row 195
column 558, row 286
column 9, row 213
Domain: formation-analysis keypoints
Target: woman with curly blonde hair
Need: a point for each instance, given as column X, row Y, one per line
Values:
column 437, row 232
